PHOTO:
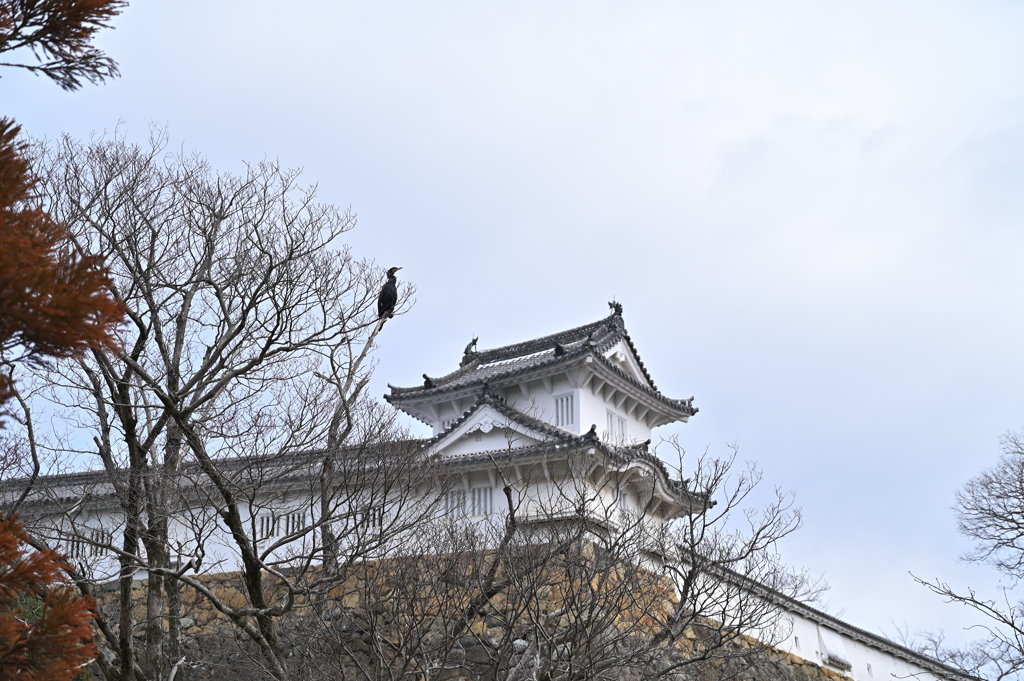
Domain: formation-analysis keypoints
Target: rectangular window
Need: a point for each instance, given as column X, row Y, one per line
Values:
column 616, row 428
column 98, row 538
column 295, row 522
column 482, row 498
column 796, row 642
column 268, row 525
column 373, row 516
column 272, row 525
column 455, row 503
column 76, row 549
column 564, row 411
column 92, row 543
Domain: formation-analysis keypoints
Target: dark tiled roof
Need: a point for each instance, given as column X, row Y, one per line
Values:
column 511, row 360
column 620, row 455
column 70, row 488
column 561, row 438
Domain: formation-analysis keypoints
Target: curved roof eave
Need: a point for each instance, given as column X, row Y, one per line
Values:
column 600, row 335
column 559, row 437
column 682, row 408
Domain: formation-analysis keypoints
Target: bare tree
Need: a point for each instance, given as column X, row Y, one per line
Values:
column 990, row 511
column 248, row 347
column 242, row 470
column 567, row 585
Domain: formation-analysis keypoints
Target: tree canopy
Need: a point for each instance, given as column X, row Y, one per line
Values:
column 54, row 301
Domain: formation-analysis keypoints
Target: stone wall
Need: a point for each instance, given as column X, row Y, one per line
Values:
column 338, row 643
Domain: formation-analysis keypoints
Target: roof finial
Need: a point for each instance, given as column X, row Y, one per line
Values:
column 616, row 308
column 467, row 354
column 427, row 383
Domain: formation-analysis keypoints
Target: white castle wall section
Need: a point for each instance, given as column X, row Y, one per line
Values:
column 540, row 492
column 497, row 439
column 595, row 410
column 537, row 398
column 867, row 662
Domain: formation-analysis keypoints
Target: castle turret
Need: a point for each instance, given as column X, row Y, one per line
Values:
column 588, row 375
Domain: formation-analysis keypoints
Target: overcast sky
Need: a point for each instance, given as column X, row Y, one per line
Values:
column 811, row 213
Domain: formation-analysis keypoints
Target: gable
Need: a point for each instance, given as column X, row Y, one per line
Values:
column 487, row 429
column 621, row 356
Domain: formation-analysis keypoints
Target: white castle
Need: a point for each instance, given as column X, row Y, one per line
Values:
column 503, row 415
column 527, row 401
column 531, row 400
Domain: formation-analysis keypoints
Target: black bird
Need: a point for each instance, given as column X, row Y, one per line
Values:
column 388, row 296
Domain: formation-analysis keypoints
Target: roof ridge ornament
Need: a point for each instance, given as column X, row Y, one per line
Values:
column 468, row 353
column 616, row 308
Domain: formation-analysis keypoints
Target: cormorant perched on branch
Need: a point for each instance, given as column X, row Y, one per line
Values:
column 388, row 297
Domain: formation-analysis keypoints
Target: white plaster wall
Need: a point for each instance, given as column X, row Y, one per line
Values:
column 100, row 567
column 497, row 439
column 884, row 666
column 594, row 410
column 539, row 402
column 539, row 495
column 220, row 552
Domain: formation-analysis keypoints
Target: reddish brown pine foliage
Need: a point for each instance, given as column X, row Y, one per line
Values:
column 59, row 34
column 45, row 628
column 53, row 302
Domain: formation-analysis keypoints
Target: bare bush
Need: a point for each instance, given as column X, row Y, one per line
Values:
column 566, row 586
column 990, row 511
